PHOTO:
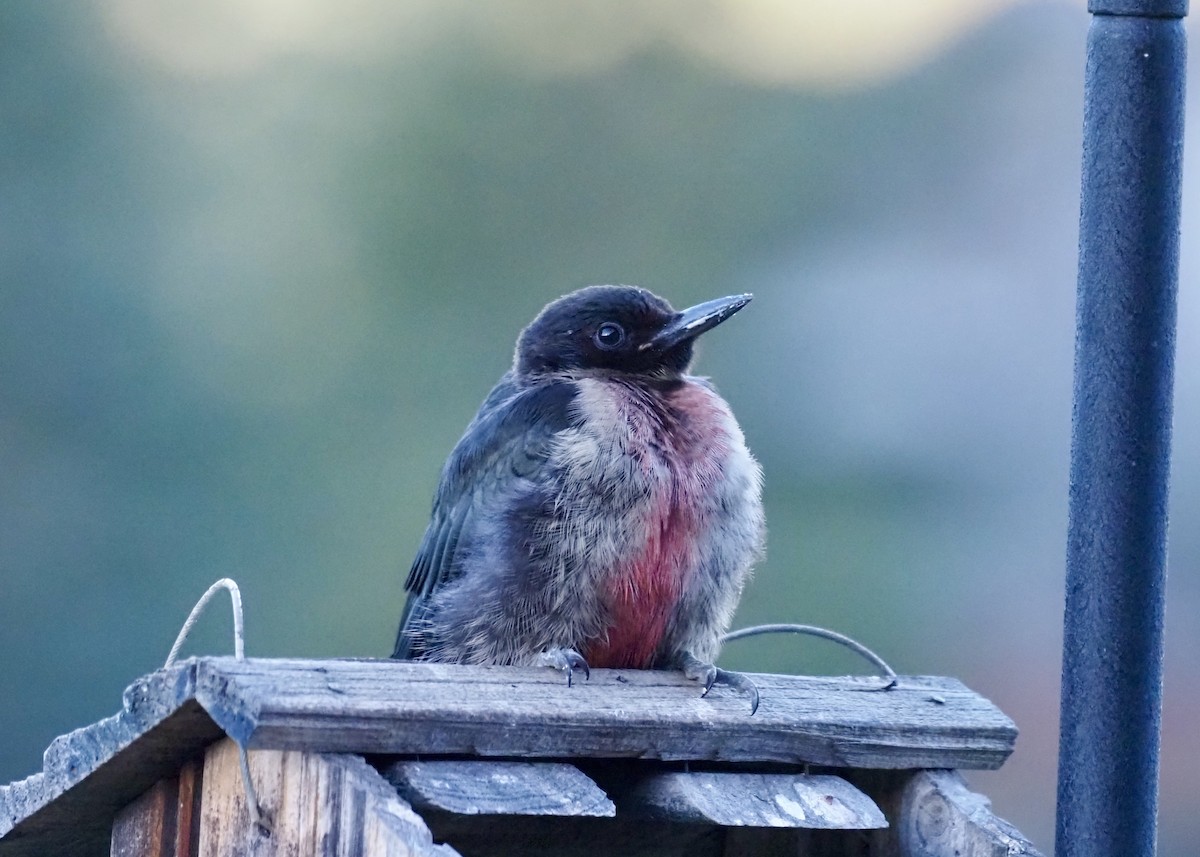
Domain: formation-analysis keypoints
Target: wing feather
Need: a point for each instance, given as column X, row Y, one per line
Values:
column 511, row 437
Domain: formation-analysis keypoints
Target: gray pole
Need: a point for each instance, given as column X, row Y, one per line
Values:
column 1120, row 450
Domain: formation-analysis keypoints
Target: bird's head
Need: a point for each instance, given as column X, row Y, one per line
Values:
column 619, row 328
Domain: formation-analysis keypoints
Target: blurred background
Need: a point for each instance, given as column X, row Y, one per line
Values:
column 260, row 261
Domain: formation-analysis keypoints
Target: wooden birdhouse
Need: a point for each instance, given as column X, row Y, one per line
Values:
column 359, row 757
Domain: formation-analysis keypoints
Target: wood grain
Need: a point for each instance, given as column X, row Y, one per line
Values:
column 737, row 799
column 478, row 787
column 146, row 828
column 412, row 709
column 90, row 774
column 939, row 816
column 162, row 822
column 187, row 827
column 321, row 805
column 431, row 709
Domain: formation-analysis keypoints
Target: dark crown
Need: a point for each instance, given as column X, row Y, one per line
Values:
column 602, row 327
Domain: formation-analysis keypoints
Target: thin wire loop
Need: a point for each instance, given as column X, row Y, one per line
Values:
column 239, row 652
column 814, row 631
column 239, row 629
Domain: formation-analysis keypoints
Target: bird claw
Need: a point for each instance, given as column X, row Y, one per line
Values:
column 711, row 675
column 567, row 660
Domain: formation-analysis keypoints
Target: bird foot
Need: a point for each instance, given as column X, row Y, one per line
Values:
column 567, row 660
column 710, row 675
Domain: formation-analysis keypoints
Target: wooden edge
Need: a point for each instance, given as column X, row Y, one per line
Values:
column 482, row 787
column 187, row 830
column 72, row 758
column 170, row 715
column 939, row 816
column 50, row 816
column 391, row 708
column 736, row 799
column 21, row 799
column 337, row 800
column 164, row 820
column 147, row 827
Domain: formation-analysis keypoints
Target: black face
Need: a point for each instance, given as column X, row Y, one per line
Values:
column 622, row 328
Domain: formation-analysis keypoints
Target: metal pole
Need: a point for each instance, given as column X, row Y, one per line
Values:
column 1120, row 451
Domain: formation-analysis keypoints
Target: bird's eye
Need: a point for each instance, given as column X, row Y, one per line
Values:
column 609, row 335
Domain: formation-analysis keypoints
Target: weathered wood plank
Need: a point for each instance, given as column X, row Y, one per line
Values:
column 478, row 787
column 417, row 708
column 146, row 828
column 319, row 805
column 939, row 816
column 19, row 801
column 421, row 709
column 91, row 773
column 162, row 822
column 187, row 828
column 737, row 799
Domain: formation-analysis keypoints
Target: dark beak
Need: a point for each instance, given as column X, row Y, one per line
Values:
column 693, row 321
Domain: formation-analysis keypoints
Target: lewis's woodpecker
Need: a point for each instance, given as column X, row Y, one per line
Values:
column 602, row 508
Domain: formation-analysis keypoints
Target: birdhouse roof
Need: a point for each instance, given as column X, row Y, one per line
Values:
column 389, row 708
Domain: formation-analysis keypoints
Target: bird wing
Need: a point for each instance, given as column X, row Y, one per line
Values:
column 511, row 437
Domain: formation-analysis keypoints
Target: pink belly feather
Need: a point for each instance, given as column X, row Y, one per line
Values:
column 685, row 436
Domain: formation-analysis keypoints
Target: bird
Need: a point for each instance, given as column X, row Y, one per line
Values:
column 602, row 508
